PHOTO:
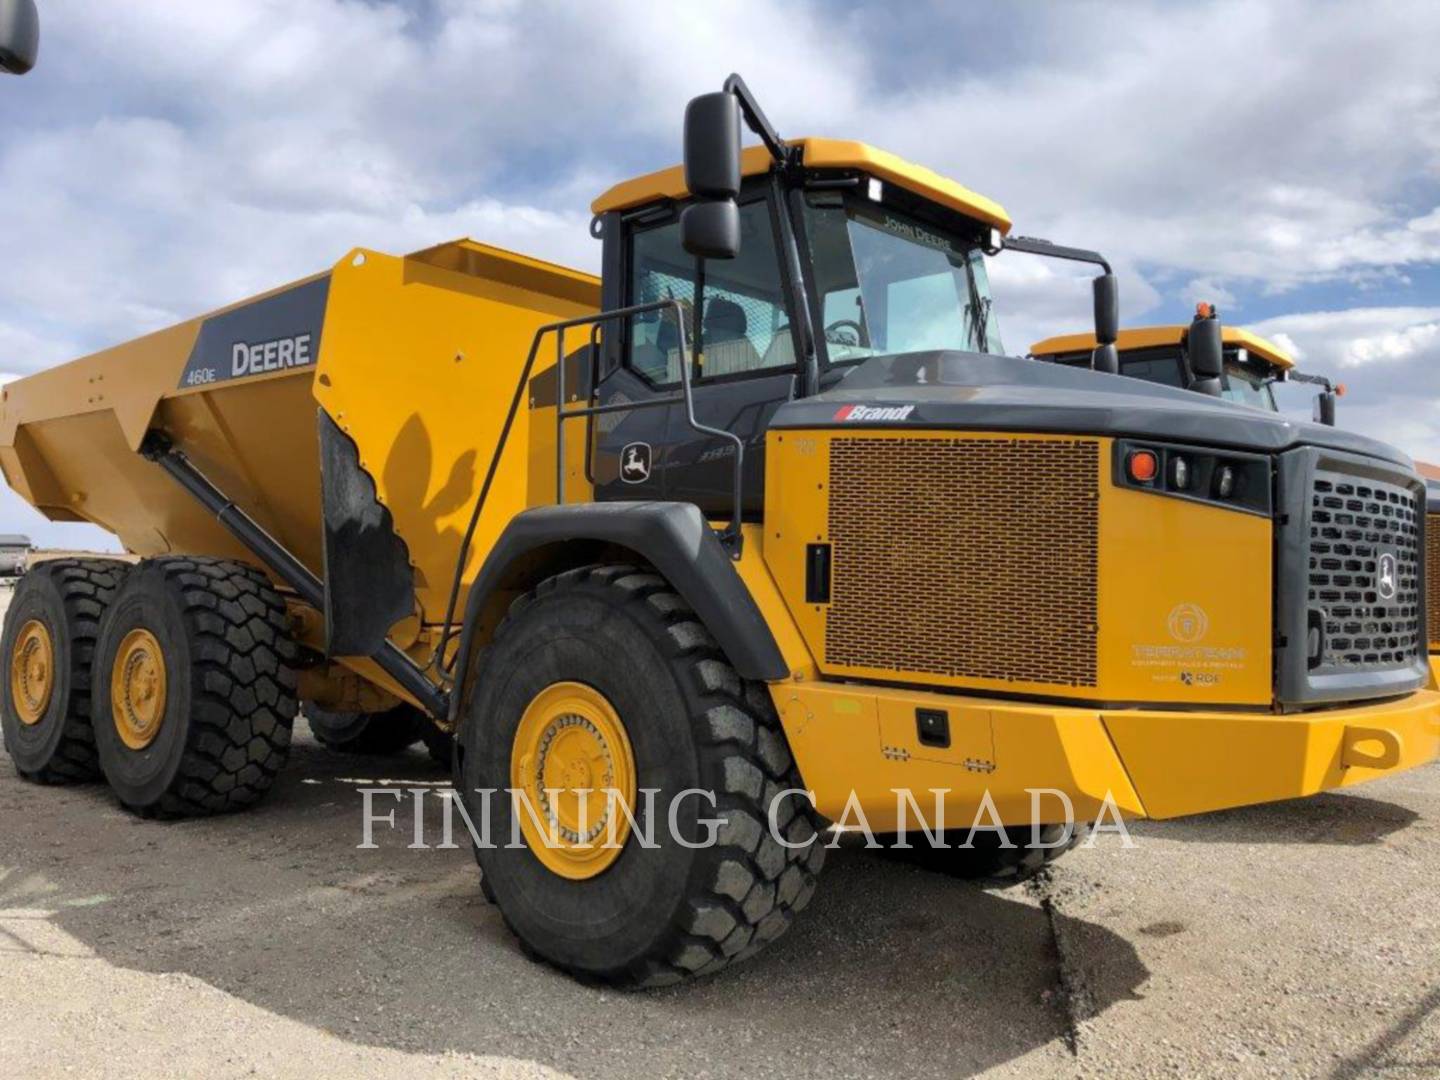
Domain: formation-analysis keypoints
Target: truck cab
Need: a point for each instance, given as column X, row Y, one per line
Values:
column 1252, row 364
column 891, row 259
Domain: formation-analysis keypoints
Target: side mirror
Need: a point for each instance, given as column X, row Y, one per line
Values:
column 19, row 36
column 1107, row 309
column 712, row 146
column 711, row 230
column 710, row 226
column 1206, row 351
column 1325, row 408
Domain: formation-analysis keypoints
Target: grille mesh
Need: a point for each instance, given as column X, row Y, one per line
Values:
column 1432, row 576
column 1353, row 523
column 965, row 557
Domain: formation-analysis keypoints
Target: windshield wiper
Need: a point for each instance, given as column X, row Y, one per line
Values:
column 978, row 311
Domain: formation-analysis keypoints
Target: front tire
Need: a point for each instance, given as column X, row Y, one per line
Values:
column 48, row 644
column 610, row 662
column 194, row 687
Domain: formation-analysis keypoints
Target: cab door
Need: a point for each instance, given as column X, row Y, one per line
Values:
column 747, row 367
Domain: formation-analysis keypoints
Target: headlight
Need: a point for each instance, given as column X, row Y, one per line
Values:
column 1199, row 474
column 1179, row 473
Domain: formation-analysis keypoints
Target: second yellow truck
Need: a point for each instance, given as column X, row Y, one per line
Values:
column 1250, row 364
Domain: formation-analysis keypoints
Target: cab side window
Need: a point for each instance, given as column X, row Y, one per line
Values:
column 743, row 326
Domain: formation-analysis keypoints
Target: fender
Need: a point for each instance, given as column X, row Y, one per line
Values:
column 674, row 537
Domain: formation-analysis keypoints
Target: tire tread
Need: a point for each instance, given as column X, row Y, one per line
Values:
column 243, row 692
column 86, row 587
column 736, row 904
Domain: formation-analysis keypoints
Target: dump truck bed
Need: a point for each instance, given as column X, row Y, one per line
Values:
column 400, row 350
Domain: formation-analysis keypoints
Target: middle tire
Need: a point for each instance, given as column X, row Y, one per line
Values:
column 194, row 690
column 604, row 678
column 378, row 734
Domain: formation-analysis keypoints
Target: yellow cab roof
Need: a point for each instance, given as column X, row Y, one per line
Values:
column 819, row 154
column 1149, row 337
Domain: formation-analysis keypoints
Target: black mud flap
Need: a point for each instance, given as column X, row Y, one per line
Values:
column 369, row 586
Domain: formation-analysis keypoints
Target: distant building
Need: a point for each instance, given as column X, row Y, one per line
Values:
column 14, row 554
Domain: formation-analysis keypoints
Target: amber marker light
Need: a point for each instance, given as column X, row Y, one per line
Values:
column 1142, row 465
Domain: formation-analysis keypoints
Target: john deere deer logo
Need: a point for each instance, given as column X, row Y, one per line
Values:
column 1385, row 577
column 635, row 463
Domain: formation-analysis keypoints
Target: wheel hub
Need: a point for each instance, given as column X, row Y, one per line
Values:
column 137, row 689
column 32, row 672
column 572, row 761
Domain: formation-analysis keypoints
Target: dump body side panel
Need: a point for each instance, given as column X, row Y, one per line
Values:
column 416, row 359
column 69, row 436
column 420, row 360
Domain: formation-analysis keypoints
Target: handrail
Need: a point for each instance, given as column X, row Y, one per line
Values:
column 445, row 668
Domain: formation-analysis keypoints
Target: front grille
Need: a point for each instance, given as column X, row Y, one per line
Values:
column 1358, row 526
column 1432, row 577
column 967, row 557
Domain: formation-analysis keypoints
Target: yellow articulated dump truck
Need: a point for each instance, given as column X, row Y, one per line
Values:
column 759, row 529
column 1250, row 364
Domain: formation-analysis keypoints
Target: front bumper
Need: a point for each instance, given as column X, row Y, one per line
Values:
column 857, row 746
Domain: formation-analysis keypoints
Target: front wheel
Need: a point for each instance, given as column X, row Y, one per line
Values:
column 652, row 787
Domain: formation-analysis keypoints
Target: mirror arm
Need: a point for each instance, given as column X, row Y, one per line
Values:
column 1313, row 380
column 757, row 121
column 1033, row 245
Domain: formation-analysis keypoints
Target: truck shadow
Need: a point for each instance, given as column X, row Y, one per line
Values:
column 1327, row 818
column 891, row 970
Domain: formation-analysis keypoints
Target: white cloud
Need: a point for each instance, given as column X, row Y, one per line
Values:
column 1219, row 139
column 1389, row 359
column 1210, row 291
column 1038, row 297
column 1361, row 337
column 1217, row 142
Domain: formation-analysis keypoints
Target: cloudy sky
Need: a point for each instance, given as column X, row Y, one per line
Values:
column 1280, row 159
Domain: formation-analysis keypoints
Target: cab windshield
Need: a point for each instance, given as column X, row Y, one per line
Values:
column 1249, row 384
column 889, row 283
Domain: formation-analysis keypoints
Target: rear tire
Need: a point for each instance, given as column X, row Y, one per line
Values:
column 56, row 610
column 652, row 915
column 194, row 687
column 371, row 734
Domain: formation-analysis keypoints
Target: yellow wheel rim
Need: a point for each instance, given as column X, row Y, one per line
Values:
column 137, row 689
column 32, row 672
column 572, row 764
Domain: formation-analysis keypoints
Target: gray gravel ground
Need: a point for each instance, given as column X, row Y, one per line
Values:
column 1297, row 939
